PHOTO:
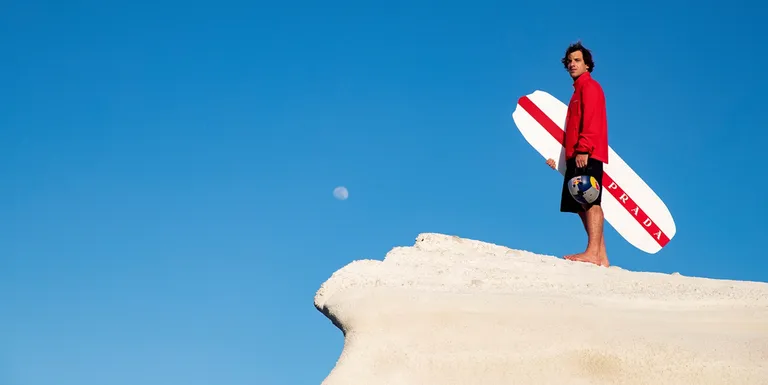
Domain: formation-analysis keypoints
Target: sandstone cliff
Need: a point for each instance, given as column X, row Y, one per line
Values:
column 456, row 311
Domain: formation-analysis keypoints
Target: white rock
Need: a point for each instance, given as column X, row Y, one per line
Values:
column 456, row 311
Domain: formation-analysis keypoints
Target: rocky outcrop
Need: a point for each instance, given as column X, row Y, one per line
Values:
column 457, row 311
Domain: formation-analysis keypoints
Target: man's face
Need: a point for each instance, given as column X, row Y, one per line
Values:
column 576, row 65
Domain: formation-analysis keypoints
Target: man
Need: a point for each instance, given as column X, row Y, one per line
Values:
column 586, row 148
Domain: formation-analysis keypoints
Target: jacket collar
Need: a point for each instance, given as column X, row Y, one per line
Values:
column 583, row 78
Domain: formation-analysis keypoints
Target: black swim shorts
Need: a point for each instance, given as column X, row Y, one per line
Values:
column 593, row 168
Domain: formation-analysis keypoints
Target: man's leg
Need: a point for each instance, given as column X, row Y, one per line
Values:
column 592, row 220
column 603, row 254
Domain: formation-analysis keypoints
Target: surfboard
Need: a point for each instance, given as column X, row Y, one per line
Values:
column 629, row 205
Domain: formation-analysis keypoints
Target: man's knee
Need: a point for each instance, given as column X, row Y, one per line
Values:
column 593, row 212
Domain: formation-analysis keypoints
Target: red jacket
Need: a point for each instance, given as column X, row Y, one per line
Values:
column 586, row 123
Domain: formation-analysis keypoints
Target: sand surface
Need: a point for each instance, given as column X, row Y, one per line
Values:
column 456, row 311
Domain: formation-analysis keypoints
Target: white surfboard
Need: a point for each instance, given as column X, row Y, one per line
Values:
column 629, row 205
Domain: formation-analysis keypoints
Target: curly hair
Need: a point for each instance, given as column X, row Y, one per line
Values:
column 584, row 52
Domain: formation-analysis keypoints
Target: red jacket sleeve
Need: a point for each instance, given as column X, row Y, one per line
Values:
column 592, row 102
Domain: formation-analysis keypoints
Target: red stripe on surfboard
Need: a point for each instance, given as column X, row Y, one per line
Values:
column 608, row 183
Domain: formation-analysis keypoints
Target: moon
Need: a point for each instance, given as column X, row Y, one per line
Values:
column 340, row 193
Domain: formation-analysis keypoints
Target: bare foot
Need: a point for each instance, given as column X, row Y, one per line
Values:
column 589, row 258
column 603, row 258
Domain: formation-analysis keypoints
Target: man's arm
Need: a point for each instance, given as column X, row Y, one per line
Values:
column 591, row 101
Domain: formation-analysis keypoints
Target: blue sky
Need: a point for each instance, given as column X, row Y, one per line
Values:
column 167, row 167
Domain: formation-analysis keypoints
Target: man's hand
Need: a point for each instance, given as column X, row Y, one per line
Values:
column 581, row 160
column 551, row 163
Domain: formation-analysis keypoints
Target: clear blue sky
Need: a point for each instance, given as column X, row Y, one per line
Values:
column 167, row 167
